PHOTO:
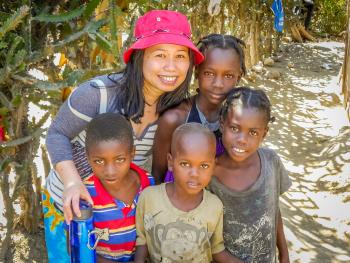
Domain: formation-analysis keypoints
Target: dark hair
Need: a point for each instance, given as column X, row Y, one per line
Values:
column 190, row 128
column 248, row 98
column 224, row 42
column 130, row 96
column 108, row 127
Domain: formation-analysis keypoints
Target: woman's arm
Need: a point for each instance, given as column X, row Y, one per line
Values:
column 283, row 253
column 85, row 100
column 167, row 123
column 74, row 189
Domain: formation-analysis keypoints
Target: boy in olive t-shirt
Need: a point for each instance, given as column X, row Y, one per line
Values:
column 181, row 221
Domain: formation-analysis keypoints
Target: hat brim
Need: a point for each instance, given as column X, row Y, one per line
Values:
column 164, row 38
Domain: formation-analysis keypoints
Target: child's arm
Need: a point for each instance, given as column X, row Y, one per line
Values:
column 225, row 257
column 141, row 254
column 283, row 254
column 167, row 124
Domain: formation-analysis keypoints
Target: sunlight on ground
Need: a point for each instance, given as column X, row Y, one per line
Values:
column 316, row 209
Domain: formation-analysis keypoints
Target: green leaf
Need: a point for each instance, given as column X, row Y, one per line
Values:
column 95, row 25
column 46, row 85
column 115, row 11
column 42, row 121
column 64, row 17
column 75, row 77
column 22, row 140
column 91, row 6
column 3, row 75
column 14, row 45
column 3, row 45
column 67, row 70
column 16, row 100
column 103, row 43
column 91, row 28
column 12, row 22
column 4, row 100
column 4, row 163
column 70, row 38
column 19, row 57
column 4, row 111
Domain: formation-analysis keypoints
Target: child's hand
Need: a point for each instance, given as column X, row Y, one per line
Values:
column 72, row 193
column 225, row 257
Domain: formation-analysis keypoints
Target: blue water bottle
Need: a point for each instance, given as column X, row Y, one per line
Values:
column 82, row 239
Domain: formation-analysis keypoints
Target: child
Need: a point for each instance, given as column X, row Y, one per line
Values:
column 217, row 75
column 181, row 221
column 115, row 185
column 249, row 179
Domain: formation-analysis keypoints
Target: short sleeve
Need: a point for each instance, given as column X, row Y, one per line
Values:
column 282, row 173
column 217, row 241
column 140, row 229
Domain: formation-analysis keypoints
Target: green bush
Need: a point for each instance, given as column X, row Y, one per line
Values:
column 330, row 16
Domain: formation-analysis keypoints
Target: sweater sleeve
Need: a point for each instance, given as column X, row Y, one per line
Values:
column 73, row 116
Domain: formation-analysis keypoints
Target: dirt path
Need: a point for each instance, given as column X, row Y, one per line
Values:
column 312, row 135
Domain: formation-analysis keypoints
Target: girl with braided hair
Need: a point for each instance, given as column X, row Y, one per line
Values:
column 249, row 179
column 220, row 72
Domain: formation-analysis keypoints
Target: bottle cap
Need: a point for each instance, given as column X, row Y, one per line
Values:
column 85, row 210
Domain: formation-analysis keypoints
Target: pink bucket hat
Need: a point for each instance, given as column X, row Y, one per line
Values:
column 163, row 27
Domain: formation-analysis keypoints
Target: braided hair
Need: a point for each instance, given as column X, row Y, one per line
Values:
column 223, row 42
column 248, row 98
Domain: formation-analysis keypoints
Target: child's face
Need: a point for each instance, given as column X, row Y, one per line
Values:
column 218, row 74
column 192, row 162
column 243, row 131
column 110, row 161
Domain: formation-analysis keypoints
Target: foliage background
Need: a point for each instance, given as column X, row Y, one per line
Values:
column 68, row 42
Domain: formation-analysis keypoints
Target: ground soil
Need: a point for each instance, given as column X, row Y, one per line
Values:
column 312, row 135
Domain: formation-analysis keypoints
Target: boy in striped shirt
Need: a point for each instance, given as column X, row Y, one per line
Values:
column 115, row 185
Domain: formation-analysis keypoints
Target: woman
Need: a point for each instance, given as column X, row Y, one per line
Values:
column 157, row 74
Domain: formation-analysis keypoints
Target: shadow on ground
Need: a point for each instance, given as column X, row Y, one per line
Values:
column 312, row 136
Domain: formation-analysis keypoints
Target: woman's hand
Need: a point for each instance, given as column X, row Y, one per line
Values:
column 72, row 193
column 74, row 189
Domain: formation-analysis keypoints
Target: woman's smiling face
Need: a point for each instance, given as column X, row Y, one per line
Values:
column 165, row 67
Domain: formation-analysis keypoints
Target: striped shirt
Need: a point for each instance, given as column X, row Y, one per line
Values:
column 66, row 136
column 117, row 217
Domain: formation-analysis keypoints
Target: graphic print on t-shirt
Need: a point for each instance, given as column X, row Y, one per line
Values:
column 252, row 240
column 178, row 241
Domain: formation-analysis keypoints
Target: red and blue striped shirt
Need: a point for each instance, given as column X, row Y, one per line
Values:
column 117, row 217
